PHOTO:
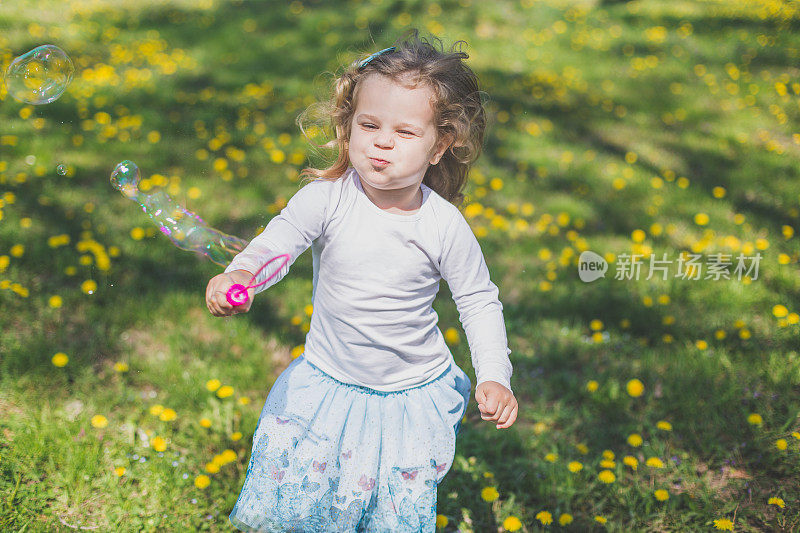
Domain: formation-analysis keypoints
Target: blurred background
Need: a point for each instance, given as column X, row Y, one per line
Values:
column 668, row 130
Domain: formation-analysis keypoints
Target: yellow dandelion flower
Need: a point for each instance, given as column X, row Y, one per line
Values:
column 159, row 443
column 99, row 421
column 755, row 419
column 228, row 456
column 236, row 435
column 565, row 519
column 121, row 367
column 723, row 523
column 60, row 359
column 17, row 250
column 592, row 385
column 489, row 494
column 202, row 481
column 212, row 467
column 225, row 391
column 661, row 495
column 213, row 384
column 297, row 351
column 796, row 435
column 551, row 457
column 663, row 424
column 776, row 501
column 635, row 388
column 582, row 448
column 119, row 471
column 701, row 344
column 631, row 461
column 168, row 415
column 205, row 422
column 781, row 444
column 635, row 440
column 600, row 519
column 607, row 463
column 780, row 311
column 607, row 476
column 596, row 325
column 442, row 521
column 654, row 462
column 89, row 286
column 512, row 523
column 701, row 219
column 544, row 517
column 608, row 454
column 156, row 409
column 137, row 234
column 574, row 466
column 55, row 301
column 451, row 336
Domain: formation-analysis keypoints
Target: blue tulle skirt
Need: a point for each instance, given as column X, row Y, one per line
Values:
column 331, row 457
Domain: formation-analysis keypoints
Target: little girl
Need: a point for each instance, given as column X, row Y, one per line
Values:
column 357, row 432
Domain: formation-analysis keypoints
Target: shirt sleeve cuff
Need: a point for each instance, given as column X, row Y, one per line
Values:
column 497, row 372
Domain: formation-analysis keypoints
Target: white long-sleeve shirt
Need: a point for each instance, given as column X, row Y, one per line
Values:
column 376, row 275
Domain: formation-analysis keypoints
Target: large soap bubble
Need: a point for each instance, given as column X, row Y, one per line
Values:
column 40, row 76
column 185, row 229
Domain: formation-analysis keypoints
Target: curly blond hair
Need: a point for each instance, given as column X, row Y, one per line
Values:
column 458, row 110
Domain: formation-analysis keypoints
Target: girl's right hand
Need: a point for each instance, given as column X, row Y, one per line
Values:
column 217, row 289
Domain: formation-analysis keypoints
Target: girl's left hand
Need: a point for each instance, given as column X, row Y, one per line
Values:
column 496, row 404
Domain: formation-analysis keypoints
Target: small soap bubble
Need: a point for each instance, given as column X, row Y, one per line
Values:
column 62, row 170
column 30, row 159
column 40, row 76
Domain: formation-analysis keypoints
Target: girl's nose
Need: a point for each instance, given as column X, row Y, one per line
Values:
column 384, row 140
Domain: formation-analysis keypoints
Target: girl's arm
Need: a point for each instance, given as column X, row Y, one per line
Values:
column 476, row 297
column 290, row 232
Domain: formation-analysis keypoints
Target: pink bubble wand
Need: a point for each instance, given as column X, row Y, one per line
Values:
column 237, row 293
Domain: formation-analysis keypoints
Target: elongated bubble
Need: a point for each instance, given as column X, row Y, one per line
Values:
column 184, row 228
column 40, row 76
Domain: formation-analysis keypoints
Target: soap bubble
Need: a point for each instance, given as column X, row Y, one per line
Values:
column 62, row 170
column 184, row 228
column 39, row 76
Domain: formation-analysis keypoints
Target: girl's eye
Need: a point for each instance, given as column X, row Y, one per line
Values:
column 401, row 131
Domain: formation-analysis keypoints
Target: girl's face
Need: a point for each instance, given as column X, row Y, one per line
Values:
column 394, row 124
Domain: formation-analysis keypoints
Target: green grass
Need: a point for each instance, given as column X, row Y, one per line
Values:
column 582, row 95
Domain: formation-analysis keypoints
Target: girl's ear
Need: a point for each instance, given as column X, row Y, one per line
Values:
column 444, row 144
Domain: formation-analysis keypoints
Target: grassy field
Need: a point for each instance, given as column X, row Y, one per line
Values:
column 649, row 128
